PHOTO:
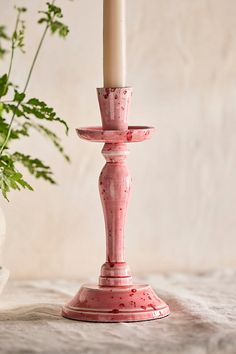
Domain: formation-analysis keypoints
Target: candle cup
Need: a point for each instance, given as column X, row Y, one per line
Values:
column 114, row 106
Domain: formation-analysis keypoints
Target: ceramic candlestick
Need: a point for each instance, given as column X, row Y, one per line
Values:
column 115, row 298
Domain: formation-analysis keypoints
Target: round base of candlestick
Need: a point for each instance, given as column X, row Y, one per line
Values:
column 115, row 304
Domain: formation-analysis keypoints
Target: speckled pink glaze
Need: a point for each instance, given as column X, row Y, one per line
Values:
column 114, row 106
column 114, row 187
column 116, row 298
column 116, row 304
column 133, row 134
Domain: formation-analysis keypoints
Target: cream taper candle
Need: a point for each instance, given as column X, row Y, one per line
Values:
column 114, row 43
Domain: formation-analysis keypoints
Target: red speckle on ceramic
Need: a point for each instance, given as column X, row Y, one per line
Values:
column 115, row 311
column 129, row 135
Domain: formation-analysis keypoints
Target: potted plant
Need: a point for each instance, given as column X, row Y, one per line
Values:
column 21, row 114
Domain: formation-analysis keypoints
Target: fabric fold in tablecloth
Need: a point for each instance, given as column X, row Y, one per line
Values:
column 203, row 319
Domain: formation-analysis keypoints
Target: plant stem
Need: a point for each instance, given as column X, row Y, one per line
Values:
column 12, row 46
column 36, row 55
column 26, row 84
column 35, row 58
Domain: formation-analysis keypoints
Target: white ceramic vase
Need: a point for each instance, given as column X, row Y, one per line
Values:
column 4, row 273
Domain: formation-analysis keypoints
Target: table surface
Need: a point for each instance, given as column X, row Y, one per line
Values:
column 203, row 319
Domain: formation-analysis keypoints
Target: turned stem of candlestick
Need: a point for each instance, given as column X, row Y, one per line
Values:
column 114, row 187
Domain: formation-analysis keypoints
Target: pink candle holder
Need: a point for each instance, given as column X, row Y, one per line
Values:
column 115, row 298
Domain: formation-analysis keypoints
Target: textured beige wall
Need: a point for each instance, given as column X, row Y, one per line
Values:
column 182, row 65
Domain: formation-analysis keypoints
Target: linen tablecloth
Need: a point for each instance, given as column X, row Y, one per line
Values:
column 203, row 319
